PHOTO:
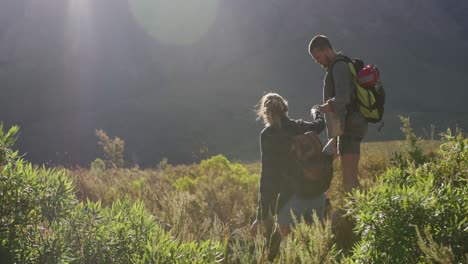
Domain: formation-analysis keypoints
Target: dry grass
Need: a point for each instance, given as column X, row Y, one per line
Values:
column 219, row 202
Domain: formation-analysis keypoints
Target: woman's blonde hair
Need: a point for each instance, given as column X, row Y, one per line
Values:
column 272, row 108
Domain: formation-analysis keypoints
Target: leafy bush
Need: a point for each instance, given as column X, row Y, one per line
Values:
column 126, row 233
column 412, row 150
column 113, row 149
column 6, row 142
column 41, row 221
column 98, row 165
column 32, row 199
column 432, row 197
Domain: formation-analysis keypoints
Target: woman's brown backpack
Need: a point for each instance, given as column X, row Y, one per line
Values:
column 315, row 166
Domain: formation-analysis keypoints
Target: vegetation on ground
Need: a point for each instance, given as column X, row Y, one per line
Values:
column 412, row 208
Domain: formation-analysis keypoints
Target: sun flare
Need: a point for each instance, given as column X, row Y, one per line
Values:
column 179, row 22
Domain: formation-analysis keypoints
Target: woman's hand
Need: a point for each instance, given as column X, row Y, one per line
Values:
column 324, row 108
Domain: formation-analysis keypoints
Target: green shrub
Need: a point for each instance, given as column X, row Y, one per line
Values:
column 41, row 221
column 163, row 164
column 126, row 233
column 113, row 149
column 433, row 251
column 186, row 183
column 6, row 142
column 32, row 200
column 412, row 150
column 98, row 165
column 432, row 197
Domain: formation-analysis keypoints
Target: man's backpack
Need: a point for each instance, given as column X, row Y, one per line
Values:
column 370, row 99
column 315, row 168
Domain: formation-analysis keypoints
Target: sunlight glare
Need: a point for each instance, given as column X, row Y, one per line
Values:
column 80, row 31
column 176, row 22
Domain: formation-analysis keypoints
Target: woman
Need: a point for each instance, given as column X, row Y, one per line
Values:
column 277, row 194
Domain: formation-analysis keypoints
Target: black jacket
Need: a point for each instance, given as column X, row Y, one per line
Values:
column 277, row 166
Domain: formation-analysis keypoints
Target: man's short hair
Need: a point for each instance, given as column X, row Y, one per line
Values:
column 319, row 42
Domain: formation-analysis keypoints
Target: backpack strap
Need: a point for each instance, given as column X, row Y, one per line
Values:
column 345, row 59
column 353, row 107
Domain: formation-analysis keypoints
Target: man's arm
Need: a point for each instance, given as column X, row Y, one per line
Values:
column 344, row 87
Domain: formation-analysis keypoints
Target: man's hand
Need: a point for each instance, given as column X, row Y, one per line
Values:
column 324, row 108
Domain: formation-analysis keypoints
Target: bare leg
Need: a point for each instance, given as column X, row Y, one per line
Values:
column 275, row 241
column 349, row 165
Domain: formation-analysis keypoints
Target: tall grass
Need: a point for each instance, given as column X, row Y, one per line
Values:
column 217, row 198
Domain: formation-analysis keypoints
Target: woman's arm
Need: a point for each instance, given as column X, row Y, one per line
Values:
column 268, row 192
column 317, row 126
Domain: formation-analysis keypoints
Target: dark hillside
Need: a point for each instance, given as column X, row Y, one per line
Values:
column 67, row 69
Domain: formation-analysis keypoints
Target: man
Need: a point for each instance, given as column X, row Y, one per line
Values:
column 339, row 97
